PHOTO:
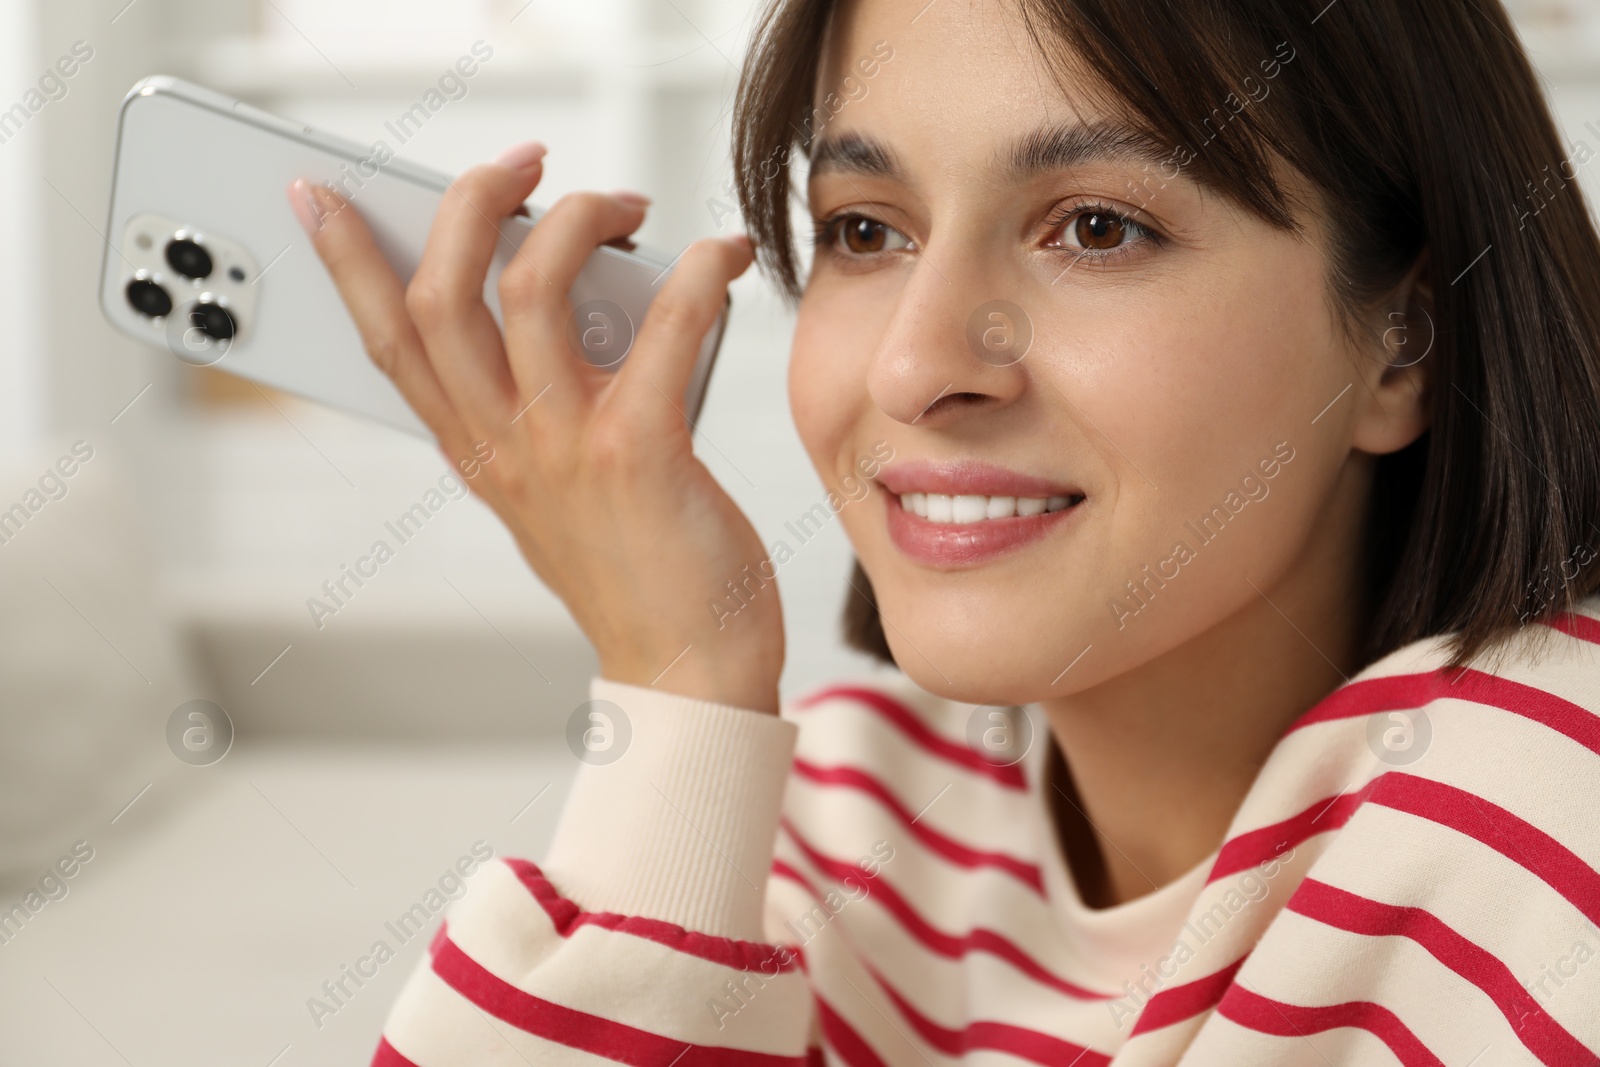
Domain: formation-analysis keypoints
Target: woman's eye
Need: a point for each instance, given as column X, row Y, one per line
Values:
column 1097, row 230
column 863, row 236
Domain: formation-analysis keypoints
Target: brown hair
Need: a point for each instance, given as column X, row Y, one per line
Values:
column 1421, row 125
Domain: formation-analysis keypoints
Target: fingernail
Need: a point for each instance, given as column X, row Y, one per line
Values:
column 522, row 156
column 629, row 197
column 305, row 209
column 312, row 204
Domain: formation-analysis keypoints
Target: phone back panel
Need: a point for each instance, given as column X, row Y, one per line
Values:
column 219, row 168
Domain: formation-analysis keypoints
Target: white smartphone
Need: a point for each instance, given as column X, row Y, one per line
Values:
column 204, row 256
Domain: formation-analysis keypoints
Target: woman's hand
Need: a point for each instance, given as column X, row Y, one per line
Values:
column 593, row 472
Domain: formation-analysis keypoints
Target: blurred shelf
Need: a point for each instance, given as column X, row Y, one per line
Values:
column 558, row 65
column 1565, row 62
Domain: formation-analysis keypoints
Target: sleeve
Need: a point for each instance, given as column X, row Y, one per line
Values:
column 640, row 940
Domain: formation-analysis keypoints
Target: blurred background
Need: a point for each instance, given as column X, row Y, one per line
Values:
column 214, row 910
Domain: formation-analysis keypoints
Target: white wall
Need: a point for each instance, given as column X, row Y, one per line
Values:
column 22, row 393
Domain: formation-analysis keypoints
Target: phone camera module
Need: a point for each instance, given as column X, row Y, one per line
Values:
column 148, row 298
column 189, row 258
column 194, row 285
column 213, row 320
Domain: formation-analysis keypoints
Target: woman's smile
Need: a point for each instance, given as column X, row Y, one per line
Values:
column 964, row 513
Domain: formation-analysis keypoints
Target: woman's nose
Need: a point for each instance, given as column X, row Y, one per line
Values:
column 952, row 348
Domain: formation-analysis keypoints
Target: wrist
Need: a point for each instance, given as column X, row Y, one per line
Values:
column 734, row 682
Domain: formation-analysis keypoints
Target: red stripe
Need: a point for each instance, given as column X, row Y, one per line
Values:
column 949, row 848
column 1018, row 1041
column 387, row 1056
column 836, row 1033
column 1256, row 847
column 783, row 870
column 1267, row 1016
column 937, row 941
column 843, row 1039
column 918, row 731
column 1582, row 627
column 1170, row 1006
column 1025, row 1044
column 1541, row 1034
column 1395, row 693
column 579, row 1029
column 1406, row 691
column 1514, row 838
column 1466, row 813
column 567, row 917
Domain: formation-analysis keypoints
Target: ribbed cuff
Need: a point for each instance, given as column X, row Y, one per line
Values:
column 680, row 826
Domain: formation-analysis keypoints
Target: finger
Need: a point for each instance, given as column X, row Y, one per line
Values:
column 466, row 227
column 664, row 356
column 445, row 296
column 376, row 301
column 535, row 284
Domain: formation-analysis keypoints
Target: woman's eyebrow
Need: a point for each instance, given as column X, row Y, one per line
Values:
column 1064, row 145
column 1053, row 147
column 856, row 154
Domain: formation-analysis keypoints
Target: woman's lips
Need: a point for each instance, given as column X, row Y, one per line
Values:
column 954, row 514
column 963, row 477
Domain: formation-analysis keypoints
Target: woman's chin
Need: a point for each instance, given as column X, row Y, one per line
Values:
column 986, row 669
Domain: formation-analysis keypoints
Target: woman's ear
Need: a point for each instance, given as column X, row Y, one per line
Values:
column 1397, row 374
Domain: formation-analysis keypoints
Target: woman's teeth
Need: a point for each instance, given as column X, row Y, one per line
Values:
column 939, row 507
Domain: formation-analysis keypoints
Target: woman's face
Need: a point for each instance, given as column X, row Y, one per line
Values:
column 1027, row 305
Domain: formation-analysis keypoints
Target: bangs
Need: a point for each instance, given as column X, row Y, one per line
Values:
column 1187, row 81
column 1199, row 86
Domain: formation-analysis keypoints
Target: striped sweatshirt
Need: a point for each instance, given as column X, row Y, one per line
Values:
column 1410, row 879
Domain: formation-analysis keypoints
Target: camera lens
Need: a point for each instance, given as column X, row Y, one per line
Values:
column 148, row 298
column 212, row 320
column 188, row 258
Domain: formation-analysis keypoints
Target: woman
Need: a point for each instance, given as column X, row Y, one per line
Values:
column 1226, row 375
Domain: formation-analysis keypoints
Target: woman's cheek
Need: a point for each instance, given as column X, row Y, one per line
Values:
column 827, row 386
column 805, row 395
column 1172, row 408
